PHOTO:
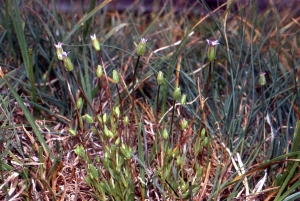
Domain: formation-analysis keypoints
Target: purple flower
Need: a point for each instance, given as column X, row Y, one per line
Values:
column 212, row 43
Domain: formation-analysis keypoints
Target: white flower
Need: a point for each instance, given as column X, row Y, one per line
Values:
column 93, row 37
column 212, row 43
column 143, row 40
column 59, row 45
column 95, row 42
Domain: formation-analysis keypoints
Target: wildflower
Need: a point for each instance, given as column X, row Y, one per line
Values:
column 211, row 53
column 160, row 78
column 59, row 50
column 212, row 43
column 141, row 47
column 262, row 78
column 95, row 42
column 67, row 62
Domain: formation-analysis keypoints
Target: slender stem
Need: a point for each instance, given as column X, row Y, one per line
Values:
column 132, row 93
column 31, row 77
column 83, row 94
column 208, row 79
column 120, row 100
column 171, row 126
column 157, row 100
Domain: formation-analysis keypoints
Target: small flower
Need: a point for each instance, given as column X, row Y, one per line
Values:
column 64, row 55
column 212, row 43
column 59, row 50
column 95, row 42
column 59, row 45
column 141, row 47
column 211, row 52
column 262, row 79
column 67, row 62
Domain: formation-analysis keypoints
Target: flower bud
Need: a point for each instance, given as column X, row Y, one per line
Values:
column 99, row 71
column 184, row 124
column 206, row 141
column 72, row 132
column 95, row 42
column 97, row 159
column 126, row 120
column 117, row 112
column 79, row 103
column 202, row 135
column 212, row 49
column 262, row 79
column 165, row 134
column 126, row 151
column 107, row 132
column 94, row 130
column 177, row 93
column 93, row 171
column 183, row 99
column 179, row 160
column 79, row 150
column 198, row 171
column 88, row 118
column 67, row 62
column 117, row 142
column 141, row 47
column 115, row 77
column 59, row 50
column 160, row 78
column 104, row 117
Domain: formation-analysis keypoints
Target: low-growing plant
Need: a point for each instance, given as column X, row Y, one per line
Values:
column 203, row 109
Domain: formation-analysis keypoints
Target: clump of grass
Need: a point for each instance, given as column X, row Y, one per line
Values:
column 213, row 127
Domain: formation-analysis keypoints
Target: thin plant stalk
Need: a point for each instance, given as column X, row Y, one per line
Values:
column 83, row 94
column 31, row 76
column 172, row 118
column 133, row 89
column 121, row 108
column 157, row 100
column 208, row 79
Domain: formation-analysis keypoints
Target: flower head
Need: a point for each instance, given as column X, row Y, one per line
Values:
column 64, row 55
column 67, row 62
column 211, row 52
column 59, row 50
column 141, row 48
column 143, row 40
column 95, row 42
column 262, row 78
column 93, row 37
column 59, row 45
column 212, row 43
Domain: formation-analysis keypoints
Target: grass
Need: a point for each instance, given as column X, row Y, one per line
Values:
column 161, row 123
